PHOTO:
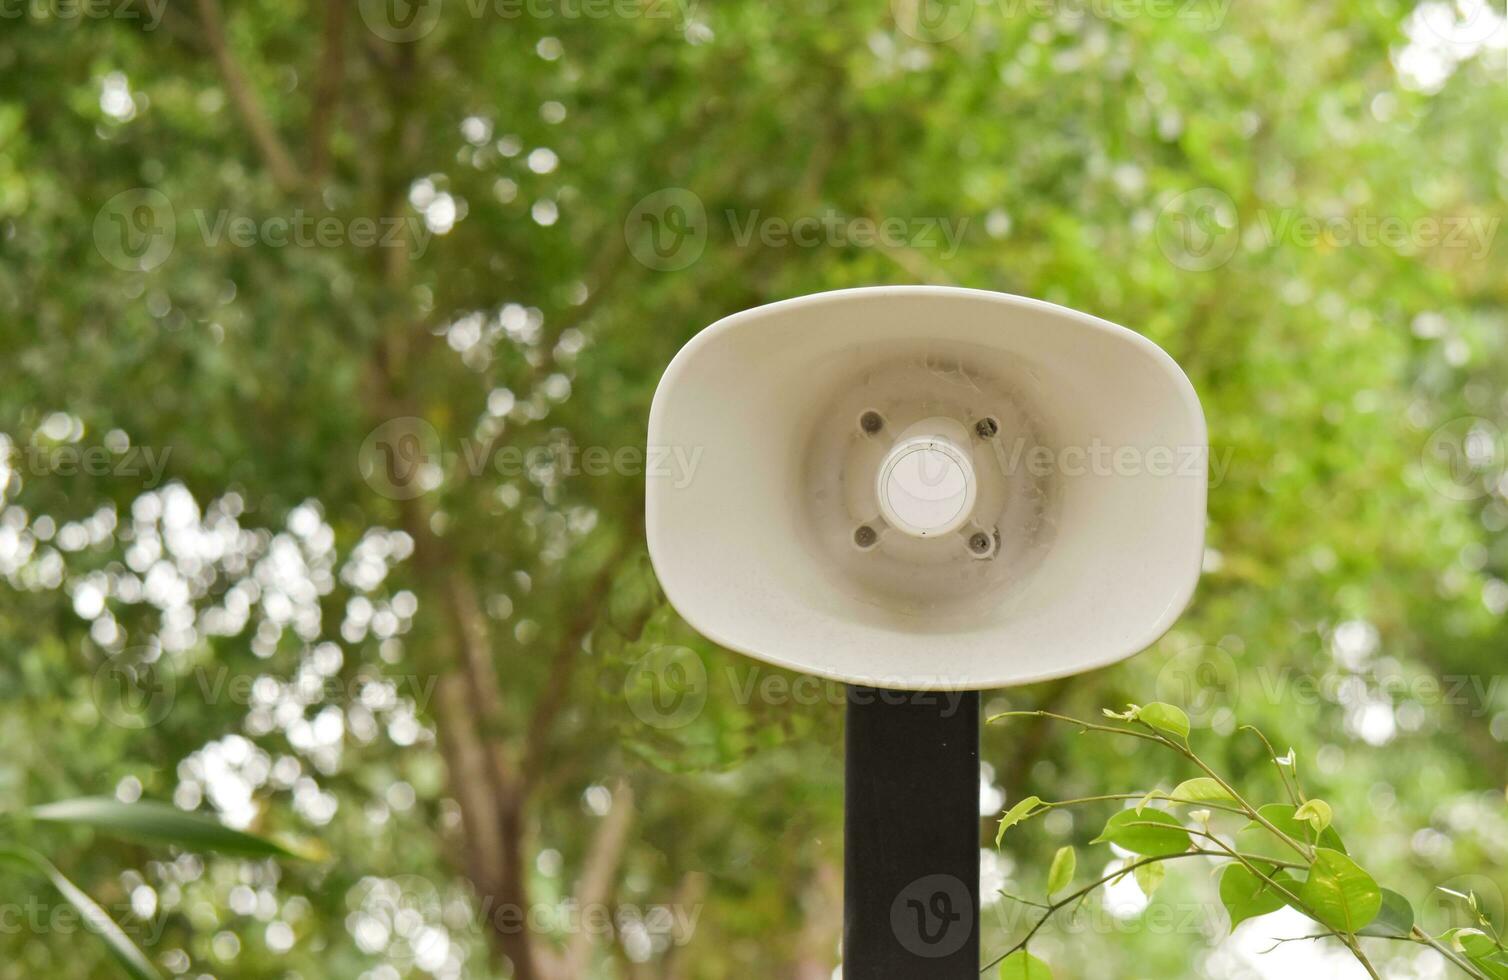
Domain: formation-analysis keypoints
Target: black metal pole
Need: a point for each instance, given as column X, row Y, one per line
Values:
column 911, row 857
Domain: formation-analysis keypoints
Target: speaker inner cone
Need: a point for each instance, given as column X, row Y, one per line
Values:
column 918, row 499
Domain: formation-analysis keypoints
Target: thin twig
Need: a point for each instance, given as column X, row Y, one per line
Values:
column 248, row 105
column 327, row 88
column 1295, row 792
column 1087, row 726
column 1152, row 735
column 1072, row 897
column 1419, row 935
column 599, row 871
column 1307, row 853
column 563, row 668
column 1110, row 797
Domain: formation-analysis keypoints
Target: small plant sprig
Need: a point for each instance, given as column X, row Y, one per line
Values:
column 1274, row 855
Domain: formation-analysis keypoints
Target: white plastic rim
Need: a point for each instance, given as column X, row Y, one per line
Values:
column 926, row 487
column 738, row 540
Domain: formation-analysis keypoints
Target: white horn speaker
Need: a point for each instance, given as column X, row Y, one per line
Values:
column 927, row 488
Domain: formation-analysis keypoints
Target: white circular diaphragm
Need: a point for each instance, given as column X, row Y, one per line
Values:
column 926, row 484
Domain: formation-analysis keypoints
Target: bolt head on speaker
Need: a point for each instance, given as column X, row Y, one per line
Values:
column 920, row 487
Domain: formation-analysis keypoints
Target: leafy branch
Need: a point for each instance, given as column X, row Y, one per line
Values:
column 1276, row 855
column 151, row 823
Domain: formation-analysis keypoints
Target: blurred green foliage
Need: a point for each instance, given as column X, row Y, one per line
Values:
column 217, row 594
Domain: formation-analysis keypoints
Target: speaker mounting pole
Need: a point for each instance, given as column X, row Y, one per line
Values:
column 911, row 859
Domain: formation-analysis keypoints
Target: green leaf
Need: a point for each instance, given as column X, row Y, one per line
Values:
column 1015, row 815
column 1152, row 833
column 1201, row 790
column 1316, row 813
column 1339, row 893
column 1395, row 920
column 1149, row 877
column 1159, row 715
column 1166, row 719
column 1022, row 965
column 1257, row 839
column 158, row 823
column 1064, row 864
column 132, row 959
column 1482, row 951
column 1246, row 895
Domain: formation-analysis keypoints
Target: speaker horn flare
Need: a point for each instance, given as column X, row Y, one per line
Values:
column 921, row 487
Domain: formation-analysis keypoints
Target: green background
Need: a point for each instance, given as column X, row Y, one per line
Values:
column 213, row 594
